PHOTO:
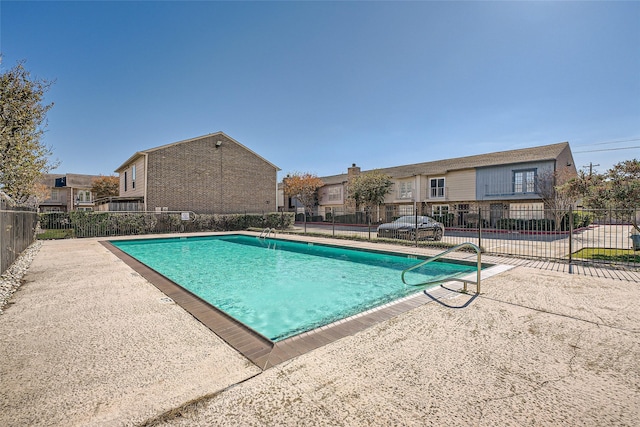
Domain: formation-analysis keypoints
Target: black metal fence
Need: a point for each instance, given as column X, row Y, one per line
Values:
column 572, row 236
column 577, row 236
column 17, row 232
column 59, row 225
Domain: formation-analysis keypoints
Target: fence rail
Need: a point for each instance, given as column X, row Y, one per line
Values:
column 580, row 236
column 571, row 236
column 57, row 225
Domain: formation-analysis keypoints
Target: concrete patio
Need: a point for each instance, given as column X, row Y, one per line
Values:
column 87, row 341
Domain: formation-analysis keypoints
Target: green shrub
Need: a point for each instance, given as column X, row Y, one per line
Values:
column 353, row 218
column 525, row 224
column 447, row 220
column 102, row 224
column 88, row 224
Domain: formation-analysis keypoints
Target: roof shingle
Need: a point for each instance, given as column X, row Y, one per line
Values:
column 440, row 167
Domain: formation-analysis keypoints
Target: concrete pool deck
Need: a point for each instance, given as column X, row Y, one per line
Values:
column 88, row 341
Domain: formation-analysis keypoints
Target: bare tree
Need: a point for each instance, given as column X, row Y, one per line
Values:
column 555, row 197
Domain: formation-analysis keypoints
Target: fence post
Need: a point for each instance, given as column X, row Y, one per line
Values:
column 479, row 227
column 570, row 239
column 333, row 222
column 415, row 209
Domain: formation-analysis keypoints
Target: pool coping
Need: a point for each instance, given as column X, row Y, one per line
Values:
column 265, row 353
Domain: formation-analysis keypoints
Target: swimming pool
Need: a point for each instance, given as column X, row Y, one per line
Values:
column 281, row 288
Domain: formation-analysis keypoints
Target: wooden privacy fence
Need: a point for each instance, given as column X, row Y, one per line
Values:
column 17, row 232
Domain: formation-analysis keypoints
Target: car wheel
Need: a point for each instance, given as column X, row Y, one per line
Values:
column 412, row 235
column 437, row 234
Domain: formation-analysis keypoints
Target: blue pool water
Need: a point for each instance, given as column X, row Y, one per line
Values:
column 281, row 288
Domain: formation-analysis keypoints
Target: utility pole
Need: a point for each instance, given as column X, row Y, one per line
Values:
column 591, row 165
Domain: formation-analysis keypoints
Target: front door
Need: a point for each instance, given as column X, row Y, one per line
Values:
column 463, row 210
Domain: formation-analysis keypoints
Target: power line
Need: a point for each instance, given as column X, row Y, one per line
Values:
column 612, row 142
column 608, row 149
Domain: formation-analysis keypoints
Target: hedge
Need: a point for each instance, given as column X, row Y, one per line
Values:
column 101, row 224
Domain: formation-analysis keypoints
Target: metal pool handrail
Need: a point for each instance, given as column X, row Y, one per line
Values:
column 440, row 255
column 265, row 233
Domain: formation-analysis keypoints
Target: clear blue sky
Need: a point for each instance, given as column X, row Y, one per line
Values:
column 316, row 86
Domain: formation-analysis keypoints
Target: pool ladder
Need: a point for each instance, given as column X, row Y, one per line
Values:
column 266, row 232
column 440, row 255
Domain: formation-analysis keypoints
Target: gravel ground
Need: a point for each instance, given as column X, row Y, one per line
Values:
column 11, row 280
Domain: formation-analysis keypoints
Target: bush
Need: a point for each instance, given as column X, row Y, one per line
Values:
column 525, row 224
column 447, row 219
column 88, row 224
column 102, row 224
column 579, row 220
column 354, row 218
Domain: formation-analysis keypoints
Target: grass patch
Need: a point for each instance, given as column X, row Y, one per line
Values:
column 612, row 255
column 55, row 234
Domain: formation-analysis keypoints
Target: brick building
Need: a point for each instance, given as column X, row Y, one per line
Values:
column 68, row 192
column 209, row 174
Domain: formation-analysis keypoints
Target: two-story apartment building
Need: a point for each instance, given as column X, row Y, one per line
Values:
column 68, row 192
column 208, row 174
column 496, row 182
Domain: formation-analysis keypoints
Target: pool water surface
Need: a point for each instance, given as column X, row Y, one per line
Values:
column 281, row 288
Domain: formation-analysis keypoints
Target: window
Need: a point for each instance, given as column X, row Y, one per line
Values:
column 125, row 180
column 406, row 190
column 524, row 181
column 55, row 194
column 84, row 196
column 334, row 194
column 438, row 210
column 133, row 176
column 436, row 186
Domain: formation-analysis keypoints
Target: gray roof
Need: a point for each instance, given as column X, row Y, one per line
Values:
column 440, row 167
column 73, row 179
column 142, row 152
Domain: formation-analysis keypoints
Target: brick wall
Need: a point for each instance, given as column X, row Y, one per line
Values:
column 196, row 175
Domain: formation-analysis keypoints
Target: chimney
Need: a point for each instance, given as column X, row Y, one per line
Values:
column 353, row 170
